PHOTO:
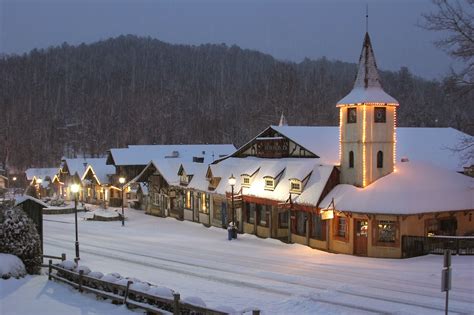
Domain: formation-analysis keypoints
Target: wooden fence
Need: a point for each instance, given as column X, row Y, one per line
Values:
column 413, row 246
column 123, row 294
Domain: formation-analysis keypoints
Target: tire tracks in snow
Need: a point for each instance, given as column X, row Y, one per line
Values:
column 317, row 273
column 245, row 284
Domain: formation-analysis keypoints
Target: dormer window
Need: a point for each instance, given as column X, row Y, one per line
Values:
column 269, row 183
column 184, row 179
column 295, row 186
column 245, row 181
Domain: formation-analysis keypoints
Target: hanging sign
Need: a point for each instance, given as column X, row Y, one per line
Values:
column 327, row 215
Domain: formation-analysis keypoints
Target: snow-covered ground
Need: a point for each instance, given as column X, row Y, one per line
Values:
column 258, row 273
column 36, row 295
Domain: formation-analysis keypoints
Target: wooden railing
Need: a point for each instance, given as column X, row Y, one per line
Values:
column 124, row 294
column 413, row 246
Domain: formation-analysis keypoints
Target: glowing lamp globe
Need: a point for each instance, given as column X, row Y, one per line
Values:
column 75, row 188
column 232, row 180
column 122, row 180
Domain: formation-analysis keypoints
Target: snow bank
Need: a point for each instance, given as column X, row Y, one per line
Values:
column 140, row 286
column 96, row 274
column 162, row 292
column 11, row 266
column 110, row 278
column 194, row 300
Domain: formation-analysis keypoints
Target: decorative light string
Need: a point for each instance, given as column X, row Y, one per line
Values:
column 340, row 136
column 364, row 167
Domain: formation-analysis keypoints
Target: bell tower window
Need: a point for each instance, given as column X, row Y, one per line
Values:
column 380, row 115
column 380, row 159
column 351, row 115
column 351, row 159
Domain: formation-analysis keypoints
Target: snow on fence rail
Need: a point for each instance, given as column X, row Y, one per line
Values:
column 121, row 293
column 413, row 246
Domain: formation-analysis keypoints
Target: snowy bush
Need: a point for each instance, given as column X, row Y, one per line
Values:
column 11, row 266
column 68, row 265
column 86, row 270
column 18, row 236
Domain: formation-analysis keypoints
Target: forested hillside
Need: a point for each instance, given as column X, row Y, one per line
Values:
column 71, row 100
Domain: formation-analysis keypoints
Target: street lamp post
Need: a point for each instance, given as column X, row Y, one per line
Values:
column 232, row 184
column 75, row 191
column 122, row 182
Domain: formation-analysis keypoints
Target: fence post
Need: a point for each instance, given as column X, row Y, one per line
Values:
column 81, row 273
column 256, row 312
column 63, row 256
column 50, row 265
column 126, row 293
column 176, row 298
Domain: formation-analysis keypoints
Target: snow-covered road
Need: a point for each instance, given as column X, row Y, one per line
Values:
column 257, row 273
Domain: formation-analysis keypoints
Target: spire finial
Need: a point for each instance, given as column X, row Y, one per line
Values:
column 283, row 121
column 367, row 18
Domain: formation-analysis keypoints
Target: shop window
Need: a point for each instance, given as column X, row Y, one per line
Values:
column 386, row 231
column 301, row 218
column 262, row 217
column 441, row 226
column 318, row 228
column 250, row 212
column 204, row 203
column 341, row 228
column 283, row 220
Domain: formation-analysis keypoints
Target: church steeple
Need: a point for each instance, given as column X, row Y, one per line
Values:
column 367, row 87
column 367, row 125
column 283, row 121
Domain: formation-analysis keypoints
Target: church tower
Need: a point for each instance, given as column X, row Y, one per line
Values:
column 367, row 125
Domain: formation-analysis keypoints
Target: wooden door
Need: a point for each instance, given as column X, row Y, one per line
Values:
column 360, row 237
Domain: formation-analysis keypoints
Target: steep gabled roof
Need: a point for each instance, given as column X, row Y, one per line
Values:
column 367, row 87
column 41, row 173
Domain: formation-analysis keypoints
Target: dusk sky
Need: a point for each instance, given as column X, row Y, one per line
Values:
column 289, row 30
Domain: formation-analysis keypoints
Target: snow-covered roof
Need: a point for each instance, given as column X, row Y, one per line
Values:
column 367, row 87
column 415, row 187
column 143, row 154
column 79, row 166
column 418, row 144
column 100, row 169
column 21, row 199
column 198, row 170
column 41, row 173
column 293, row 168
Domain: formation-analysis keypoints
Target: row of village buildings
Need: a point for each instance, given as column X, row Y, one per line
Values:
column 357, row 189
column 282, row 189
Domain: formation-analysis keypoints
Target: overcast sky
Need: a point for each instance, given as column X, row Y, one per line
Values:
column 289, row 30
